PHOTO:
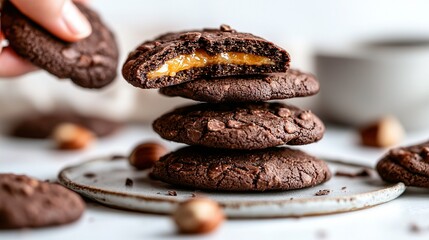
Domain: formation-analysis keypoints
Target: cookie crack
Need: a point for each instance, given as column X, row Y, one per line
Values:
column 407, row 167
column 261, row 126
column 315, row 170
column 258, row 176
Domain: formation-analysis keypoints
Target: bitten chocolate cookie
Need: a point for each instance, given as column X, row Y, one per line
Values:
column 237, row 170
column 42, row 126
column 255, row 88
column 240, row 125
column 179, row 57
column 409, row 165
column 90, row 63
column 28, row 203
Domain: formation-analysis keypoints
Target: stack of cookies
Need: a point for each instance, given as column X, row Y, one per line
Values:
column 234, row 136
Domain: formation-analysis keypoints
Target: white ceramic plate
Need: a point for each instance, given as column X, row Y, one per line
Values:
column 103, row 180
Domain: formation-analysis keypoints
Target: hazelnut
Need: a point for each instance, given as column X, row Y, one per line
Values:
column 198, row 215
column 146, row 154
column 69, row 136
column 385, row 132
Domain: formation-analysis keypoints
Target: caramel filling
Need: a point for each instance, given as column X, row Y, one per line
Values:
column 201, row 58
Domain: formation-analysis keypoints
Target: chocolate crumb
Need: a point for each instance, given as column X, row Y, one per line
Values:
column 89, row 175
column 414, row 228
column 363, row 173
column 193, row 195
column 172, row 193
column 322, row 192
column 226, row 28
column 117, row 157
column 343, row 188
column 129, row 182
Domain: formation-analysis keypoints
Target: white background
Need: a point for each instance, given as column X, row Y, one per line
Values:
column 298, row 26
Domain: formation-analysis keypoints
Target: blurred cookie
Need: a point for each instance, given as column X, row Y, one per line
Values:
column 90, row 63
column 42, row 126
column 28, row 203
column 237, row 170
column 240, row 125
column 293, row 83
column 409, row 165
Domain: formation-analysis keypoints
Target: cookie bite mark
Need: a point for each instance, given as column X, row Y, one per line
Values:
column 180, row 57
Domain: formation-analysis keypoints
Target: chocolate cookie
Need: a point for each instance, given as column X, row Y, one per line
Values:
column 270, row 86
column 28, row 203
column 240, row 125
column 180, row 57
column 237, row 170
column 42, row 126
column 409, row 165
column 90, row 63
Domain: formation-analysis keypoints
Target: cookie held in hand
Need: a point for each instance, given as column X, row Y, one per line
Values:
column 90, row 63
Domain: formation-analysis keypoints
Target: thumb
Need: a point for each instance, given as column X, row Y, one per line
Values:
column 60, row 17
column 1, row 41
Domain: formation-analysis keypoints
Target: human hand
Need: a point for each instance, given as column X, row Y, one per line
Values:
column 60, row 17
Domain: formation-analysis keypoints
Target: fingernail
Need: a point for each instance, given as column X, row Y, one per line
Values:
column 75, row 21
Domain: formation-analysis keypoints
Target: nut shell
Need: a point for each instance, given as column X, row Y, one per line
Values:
column 146, row 154
column 69, row 136
column 198, row 216
column 385, row 132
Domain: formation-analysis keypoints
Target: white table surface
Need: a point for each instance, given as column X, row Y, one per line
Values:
column 388, row 221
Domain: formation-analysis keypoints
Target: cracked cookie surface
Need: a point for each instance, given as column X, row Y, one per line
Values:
column 293, row 83
column 152, row 55
column 409, row 165
column 278, row 168
column 90, row 63
column 28, row 203
column 240, row 125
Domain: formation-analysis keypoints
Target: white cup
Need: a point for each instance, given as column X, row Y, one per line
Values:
column 360, row 83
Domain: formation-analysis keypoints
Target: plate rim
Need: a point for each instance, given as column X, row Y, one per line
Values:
column 83, row 189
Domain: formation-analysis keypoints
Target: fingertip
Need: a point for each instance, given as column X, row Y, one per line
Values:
column 11, row 65
column 60, row 17
column 76, row 23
